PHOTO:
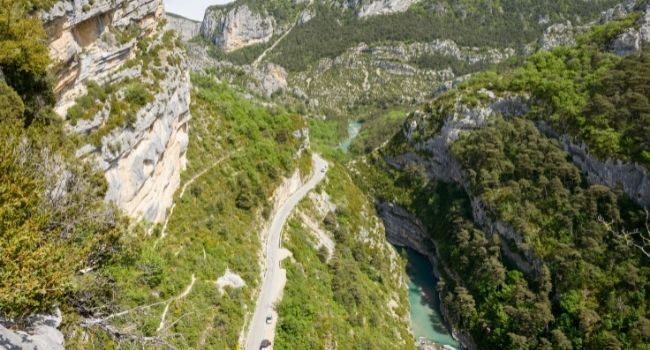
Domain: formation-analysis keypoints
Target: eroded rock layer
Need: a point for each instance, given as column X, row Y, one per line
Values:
column 92, row 41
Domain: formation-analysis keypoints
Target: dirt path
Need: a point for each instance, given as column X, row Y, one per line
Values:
column 189, row 182
column 295, row 23
column 178, row 297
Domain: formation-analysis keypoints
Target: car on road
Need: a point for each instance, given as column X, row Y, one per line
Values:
column 265, row 344
column 269, row 319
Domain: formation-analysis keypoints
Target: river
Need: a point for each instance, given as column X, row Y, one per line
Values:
column 426, row 321
column 354, row 127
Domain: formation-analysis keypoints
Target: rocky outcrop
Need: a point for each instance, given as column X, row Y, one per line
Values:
column 383, row 7
column 185, row 27
column 435, row 155
column 560, row 34
column 394, row 68
column 143, row 163
column 618, row 11
column 41, row 333
column 263, row 80
column 92, row 40
column 633, row 179
column 409, row 52
column 633, row 40
column 235, row 27
column 565, row 34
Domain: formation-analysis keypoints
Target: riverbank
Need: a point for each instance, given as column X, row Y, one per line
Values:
column 427, row 323
column 405, row 230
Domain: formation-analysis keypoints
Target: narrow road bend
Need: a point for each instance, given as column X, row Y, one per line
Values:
column 274, row 276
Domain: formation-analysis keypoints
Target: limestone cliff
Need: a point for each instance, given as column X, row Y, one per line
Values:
column 633, row 179
column 435, row 155
column 403, row 229
column 90, row 39
column 384, row 7
column 103, row 42
column 185, row 27
column 232, row 28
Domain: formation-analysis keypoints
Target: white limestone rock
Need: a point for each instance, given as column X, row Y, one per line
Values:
column 232, row 28
column 560, row 34
column 186, row 28
column 142, row 162
column 384, row 7
column 473, row 55
column 231, row 280
column 633, row 40
column 83, row 45
column 41, row 333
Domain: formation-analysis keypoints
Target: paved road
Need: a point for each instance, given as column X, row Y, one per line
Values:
column 274, row 276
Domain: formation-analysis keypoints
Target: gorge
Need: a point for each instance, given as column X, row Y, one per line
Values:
column 326, row 174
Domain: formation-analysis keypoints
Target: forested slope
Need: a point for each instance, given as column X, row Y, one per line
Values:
column 536, row 253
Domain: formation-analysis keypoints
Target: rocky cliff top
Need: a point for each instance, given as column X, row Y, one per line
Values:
column 185, row 27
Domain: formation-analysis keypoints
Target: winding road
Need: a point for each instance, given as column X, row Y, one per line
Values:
column 274, row 276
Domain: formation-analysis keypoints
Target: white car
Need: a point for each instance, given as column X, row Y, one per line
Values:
column 269, row 319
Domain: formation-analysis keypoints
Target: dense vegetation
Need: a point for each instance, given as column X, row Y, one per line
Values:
column 470, row 23
column 342, row 300
column 53, row 221
column 591, row 290
column 586, row 92
column 576, row 278
column 525, row 180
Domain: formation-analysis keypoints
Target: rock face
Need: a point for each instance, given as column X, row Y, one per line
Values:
column 185, row 27
column 634, row 179
column 264, row 80
column 410, row 52
column 42, row 334
column 564, row 34
column 633, row 40
column 561, row 34
column 143, row 163
column 92, row 40
column 383, row 7
column 232, row 28
column 435, row 155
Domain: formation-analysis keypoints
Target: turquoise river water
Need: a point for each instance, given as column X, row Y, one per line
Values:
column 354, row 127
column 426, row 321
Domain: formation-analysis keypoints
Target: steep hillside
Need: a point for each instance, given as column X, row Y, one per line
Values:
column 531, row 190
column 99, row 128
column 358, row 60
column 170, row 184
column 55, row 224
column 345, row 285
